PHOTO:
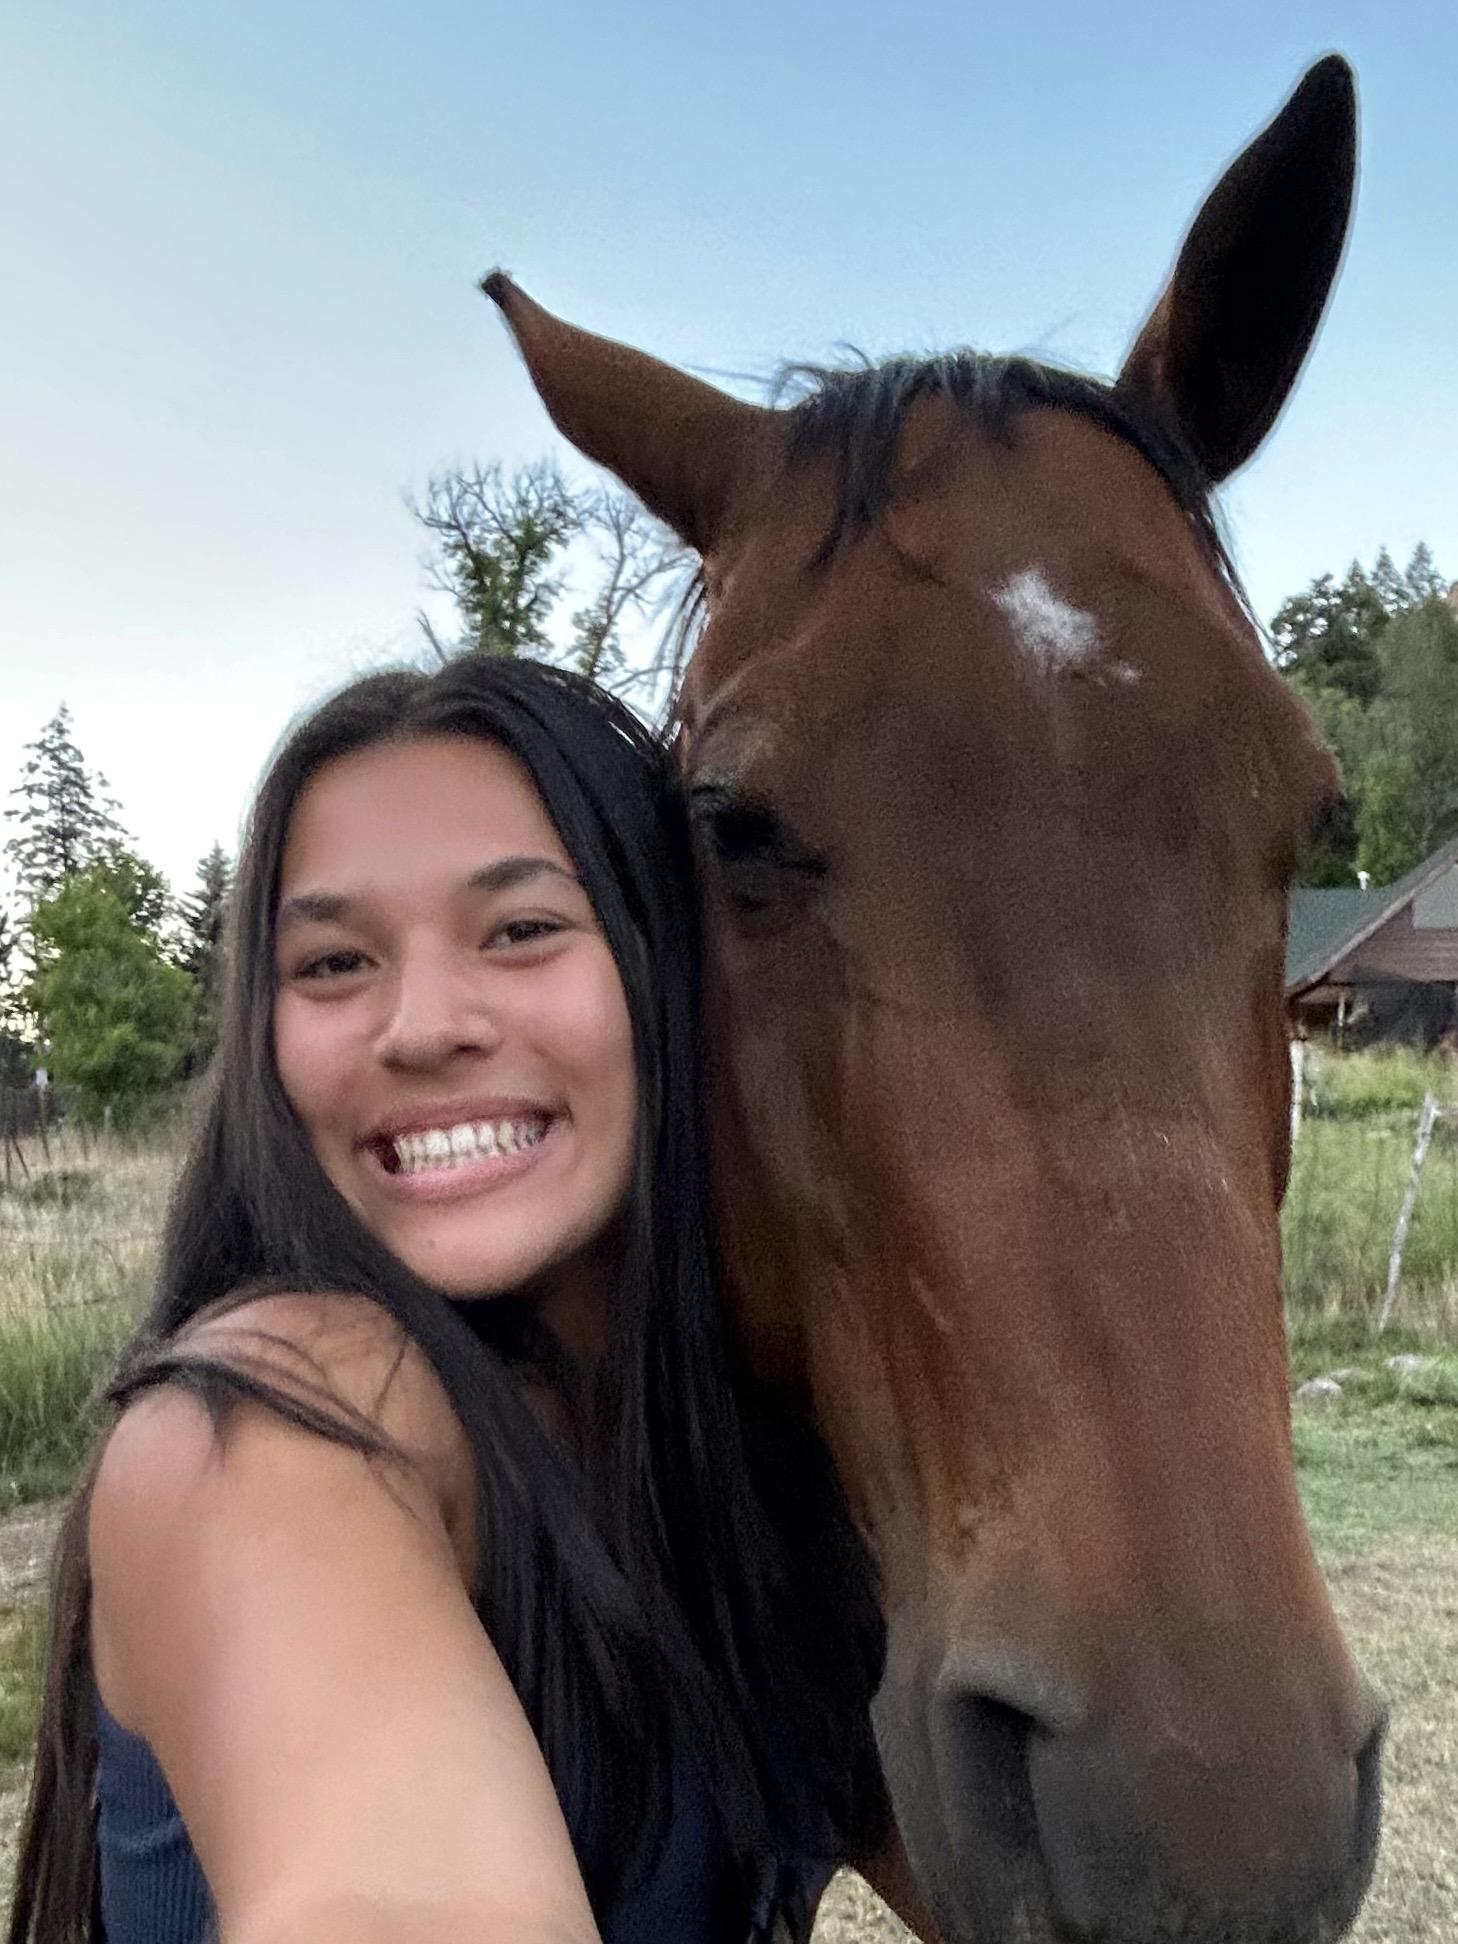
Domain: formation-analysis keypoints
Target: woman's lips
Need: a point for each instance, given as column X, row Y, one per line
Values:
column 458, row 1177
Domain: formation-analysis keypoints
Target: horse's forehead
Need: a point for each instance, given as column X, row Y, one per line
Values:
column 1040, row 606
column 1051, row 526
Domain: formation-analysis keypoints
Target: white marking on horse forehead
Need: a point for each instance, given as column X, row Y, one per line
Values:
column 1054, row 633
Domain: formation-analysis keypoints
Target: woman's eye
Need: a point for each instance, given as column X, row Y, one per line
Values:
column 331, row 965
column 524, row 931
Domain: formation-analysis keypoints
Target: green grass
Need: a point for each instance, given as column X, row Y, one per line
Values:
column 1349, row 1172
column 52, row 1364
column 22, row 1675
column 1357, row 1086
column 1367, row 1472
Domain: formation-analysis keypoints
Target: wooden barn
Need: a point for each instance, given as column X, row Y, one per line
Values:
column 1379, row 964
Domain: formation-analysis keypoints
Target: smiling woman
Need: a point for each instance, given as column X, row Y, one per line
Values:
column 451, row 1029
column 424, row 1585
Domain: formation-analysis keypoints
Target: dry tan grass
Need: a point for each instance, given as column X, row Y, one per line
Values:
column 852, row 1913
column 1399, row 1602
column 82, row 1227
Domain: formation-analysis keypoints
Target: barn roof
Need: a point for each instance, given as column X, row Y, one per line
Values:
column 1324, row 925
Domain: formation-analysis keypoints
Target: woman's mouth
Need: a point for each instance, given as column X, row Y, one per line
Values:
column 461, row 1157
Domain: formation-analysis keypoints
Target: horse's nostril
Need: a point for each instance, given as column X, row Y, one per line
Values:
column 1110, row 1825
column 1007, row 1680
column 995, row 1704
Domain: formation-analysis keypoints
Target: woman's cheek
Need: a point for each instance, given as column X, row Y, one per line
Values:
column 311, row 1066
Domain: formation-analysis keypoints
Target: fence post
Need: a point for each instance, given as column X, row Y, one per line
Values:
column 1298, row 1085
column 1427, row 1120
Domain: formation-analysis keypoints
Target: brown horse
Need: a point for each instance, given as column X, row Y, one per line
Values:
column 997, row 801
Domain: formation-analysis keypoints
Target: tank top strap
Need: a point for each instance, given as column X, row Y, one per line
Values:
column 153, row 1890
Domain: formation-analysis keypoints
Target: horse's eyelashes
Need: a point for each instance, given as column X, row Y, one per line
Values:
column 762, row 861
column 742, row 830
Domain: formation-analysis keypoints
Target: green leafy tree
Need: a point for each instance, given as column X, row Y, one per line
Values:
column 1415, row 721
column 204, row 913
column 138, row 887
column 1331, row 856
column 1328, row 636
column 1376, row 658
column 1389, row 841
column 499, row 543
column 117, row 1017
column 509, row 551
column 62, row 810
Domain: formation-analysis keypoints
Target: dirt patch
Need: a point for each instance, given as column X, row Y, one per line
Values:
column 27, row 1539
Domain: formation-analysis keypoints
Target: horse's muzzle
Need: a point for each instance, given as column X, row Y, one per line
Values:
column 1042, row 1817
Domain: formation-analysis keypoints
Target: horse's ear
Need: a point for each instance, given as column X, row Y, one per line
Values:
column 1225, row 342
column 686, row 449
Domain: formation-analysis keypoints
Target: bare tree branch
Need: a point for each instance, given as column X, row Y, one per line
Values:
column 637, row 558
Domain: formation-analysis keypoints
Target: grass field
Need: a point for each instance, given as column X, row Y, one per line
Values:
column 1378, row 1463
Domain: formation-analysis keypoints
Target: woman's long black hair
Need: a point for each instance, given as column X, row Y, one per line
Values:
column 691, row 1581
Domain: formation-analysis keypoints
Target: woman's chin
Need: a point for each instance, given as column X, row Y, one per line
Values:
column 476, row 1275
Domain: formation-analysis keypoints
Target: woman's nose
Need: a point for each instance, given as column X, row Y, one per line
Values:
column 436, row 1011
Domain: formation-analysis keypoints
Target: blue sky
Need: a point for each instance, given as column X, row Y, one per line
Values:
column 238, row 322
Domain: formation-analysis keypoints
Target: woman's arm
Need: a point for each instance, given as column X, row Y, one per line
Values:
column 287, row 1624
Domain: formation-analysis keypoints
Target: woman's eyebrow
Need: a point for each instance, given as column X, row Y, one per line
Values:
column 504, row 874
column 311, row 907
column 508, row 872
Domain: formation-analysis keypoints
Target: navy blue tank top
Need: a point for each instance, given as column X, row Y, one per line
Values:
column 153, row 1890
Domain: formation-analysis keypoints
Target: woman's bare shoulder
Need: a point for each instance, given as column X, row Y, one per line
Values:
column 327, row 1347
column 340, row 1358
column 260, row 1589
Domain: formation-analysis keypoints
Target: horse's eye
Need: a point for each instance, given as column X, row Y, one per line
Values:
column 762, row 863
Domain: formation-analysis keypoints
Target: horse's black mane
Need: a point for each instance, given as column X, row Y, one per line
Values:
column 854, row 416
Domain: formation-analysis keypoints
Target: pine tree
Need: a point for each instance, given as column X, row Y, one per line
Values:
column 1424, row 582
column 204, row 913
column 65, row 815
column 1387, row 583
column 9, row 973
column 1327, row 637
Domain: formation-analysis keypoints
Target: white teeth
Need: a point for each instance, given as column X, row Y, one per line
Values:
column 439, row 1149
